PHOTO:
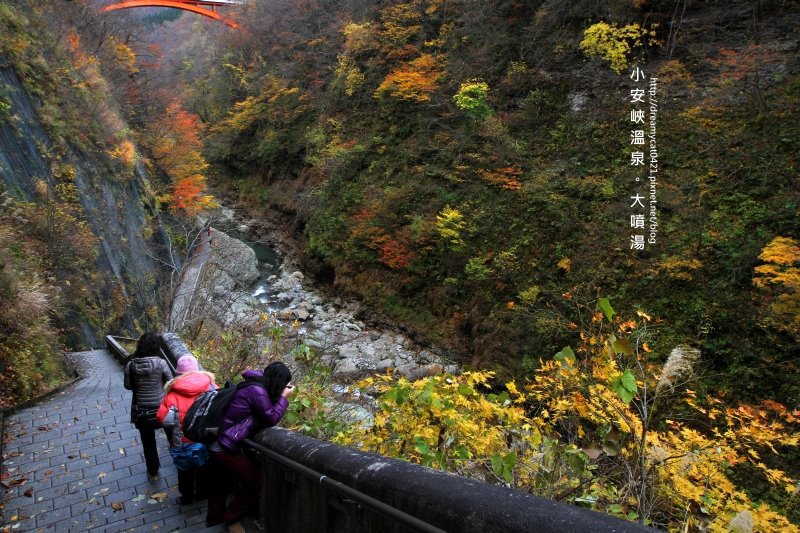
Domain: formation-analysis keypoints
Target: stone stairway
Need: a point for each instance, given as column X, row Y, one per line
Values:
column 74, row 463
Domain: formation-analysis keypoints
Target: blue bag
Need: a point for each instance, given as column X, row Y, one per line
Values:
column 189, row 456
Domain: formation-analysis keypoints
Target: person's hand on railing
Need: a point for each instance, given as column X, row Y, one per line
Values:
column 288, row 391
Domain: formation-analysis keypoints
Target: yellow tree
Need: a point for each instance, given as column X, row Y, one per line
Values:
column 780, row 273
column 614, row 43
column 620, row 408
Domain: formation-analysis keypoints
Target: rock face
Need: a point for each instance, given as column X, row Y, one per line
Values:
column 231, row 264
column 223, row 291
column 112, row 206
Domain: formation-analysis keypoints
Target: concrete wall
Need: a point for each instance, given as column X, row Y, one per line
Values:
column 300, row 503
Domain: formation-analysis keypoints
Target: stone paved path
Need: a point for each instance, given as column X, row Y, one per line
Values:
column 74, row 463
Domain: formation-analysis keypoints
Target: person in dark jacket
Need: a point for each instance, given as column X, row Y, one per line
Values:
column 145, row 374
column 253, row 407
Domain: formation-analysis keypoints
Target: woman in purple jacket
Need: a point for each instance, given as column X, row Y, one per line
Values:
column 261, row 404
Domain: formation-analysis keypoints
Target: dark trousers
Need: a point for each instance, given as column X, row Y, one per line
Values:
column 193, row 484
column 227, row 467
column 148, row 436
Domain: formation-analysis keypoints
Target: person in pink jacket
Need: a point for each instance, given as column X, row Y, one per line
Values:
column 179, row 394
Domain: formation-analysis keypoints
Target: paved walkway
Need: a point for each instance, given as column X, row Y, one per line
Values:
column 74, row 463
column 190, row 277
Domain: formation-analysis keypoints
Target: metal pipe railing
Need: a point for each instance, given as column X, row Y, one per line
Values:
column 367, row 501
column 113, row 345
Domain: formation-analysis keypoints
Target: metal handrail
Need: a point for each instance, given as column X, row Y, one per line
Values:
column 124, row 356
column 376, row 505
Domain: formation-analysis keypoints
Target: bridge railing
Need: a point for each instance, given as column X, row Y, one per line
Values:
column 172, row 348
column 313, row 486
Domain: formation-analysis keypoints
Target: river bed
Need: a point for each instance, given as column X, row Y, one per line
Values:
column 329, row 325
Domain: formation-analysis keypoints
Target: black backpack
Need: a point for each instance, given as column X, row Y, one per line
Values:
column 202, row 420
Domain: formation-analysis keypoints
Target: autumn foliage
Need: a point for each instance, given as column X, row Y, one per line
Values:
column 177, row 149
column 780, row 275
column 414, row 81
column 601, row 426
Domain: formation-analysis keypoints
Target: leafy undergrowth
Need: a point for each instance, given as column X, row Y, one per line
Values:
column 602, row 427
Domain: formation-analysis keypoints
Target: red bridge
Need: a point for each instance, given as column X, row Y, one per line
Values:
column 207, row 8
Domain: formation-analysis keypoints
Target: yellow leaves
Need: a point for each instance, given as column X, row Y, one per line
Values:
column 781, row 251
column 613, row 43
column 123, row 55
column 359, row 37
column 450, row 224
column 512, row 389
column 401, row 23
column 565, row 264
column 782, row 270
column 349, row 74
column 680, row 268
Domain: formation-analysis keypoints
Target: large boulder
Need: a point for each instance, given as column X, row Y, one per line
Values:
column 232, row 258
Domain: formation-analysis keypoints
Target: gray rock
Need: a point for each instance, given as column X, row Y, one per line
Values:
column 314, row 342
column 218, row 282
column 345, row 368
column 301, row 314
column 349, row 351
column 368, row 350
column 407, row 369
column 305, row 304
column 424, row 371
column 384, row 365
column 233, row 257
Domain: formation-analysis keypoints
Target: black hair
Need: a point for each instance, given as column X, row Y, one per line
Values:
column 276, row 377
column 148, row 345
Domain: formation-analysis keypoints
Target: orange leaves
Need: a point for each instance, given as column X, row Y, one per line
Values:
column 124, row 152
column 781, row 251
column 176, row 144
column 176, row 147
column 394, row 253
column 414, row 81
column 188, row 195
column 507, row 178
